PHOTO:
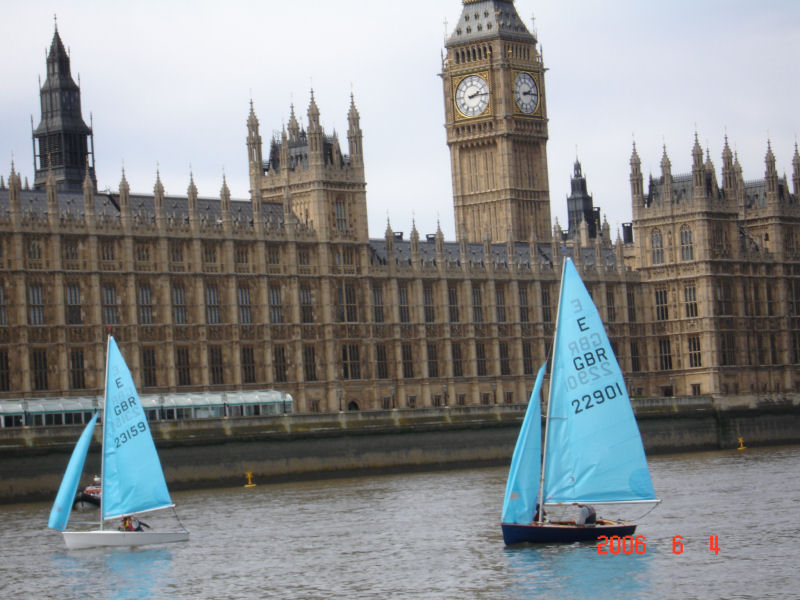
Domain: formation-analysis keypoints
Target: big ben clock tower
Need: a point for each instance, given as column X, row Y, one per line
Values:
column 496, row 120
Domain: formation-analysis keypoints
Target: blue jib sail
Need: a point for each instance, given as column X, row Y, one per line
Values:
column 594, row 451
column 523, row 476
column 132, row 477
column 59, row 514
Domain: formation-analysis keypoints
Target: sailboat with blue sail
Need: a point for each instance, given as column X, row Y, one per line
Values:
column 132, row 480
column 593, row 452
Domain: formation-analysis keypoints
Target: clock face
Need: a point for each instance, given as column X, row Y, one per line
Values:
column 472, row 96
column 526, row 93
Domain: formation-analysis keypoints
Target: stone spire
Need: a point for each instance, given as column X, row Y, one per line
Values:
column 666, row 176
column 796, row 171
column 771, row 174
column 254, row 157
column 354, row 135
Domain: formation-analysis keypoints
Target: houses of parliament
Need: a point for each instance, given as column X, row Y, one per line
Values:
column 285, row 289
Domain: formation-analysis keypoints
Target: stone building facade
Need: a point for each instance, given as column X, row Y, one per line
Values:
column 286, row 290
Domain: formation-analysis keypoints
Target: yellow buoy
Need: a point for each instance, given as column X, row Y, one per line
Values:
column 249, row 483
column 741, row 444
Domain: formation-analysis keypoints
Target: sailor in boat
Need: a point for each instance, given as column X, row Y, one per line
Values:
column 536, row 514
column 587, row 515
column 130, row 523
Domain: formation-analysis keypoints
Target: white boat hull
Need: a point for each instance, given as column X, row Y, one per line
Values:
column 93, row 539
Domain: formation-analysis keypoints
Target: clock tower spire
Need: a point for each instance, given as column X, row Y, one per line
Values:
column 496, row 122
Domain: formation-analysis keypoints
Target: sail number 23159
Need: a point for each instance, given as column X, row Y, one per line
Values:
column 130, row 433
column 596, row 397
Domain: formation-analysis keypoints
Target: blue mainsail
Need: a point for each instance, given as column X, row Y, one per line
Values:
column 523, row 476
column 59, row 514
column 593, row 452
column 132, row 477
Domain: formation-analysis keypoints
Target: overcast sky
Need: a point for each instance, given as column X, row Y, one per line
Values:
column 169, row 83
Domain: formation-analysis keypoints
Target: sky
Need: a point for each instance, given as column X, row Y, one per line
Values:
column 169, row 83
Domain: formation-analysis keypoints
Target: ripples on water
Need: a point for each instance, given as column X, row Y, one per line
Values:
column 432, row 535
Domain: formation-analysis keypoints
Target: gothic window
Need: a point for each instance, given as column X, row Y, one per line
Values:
column 523, row 303
column 694, row 351
column 5, row 372
column 340, row 214
column 248, row 365
column 149, row 367
column 178, row 304
column 381, row 361
column 662, row 309
column 351, row 365
column 109, row 300
column 458, row 365
column 306, row 304
column 547, row 311
column 433, row 361
column 631, row 294
column 142, row 252
column 795, row 349
column 34, row 250
column 176, row 252
column 377, row 303
column 241, row 255
column 690, row 300
column 275, row 305
column 724, row 299
column 70, row 250
column 408, row 361
column 35, row 304
column 106, row 251
column 73, row 305
column 452, row 299
column 611, row 311
column 3, row 316
column 664, row 355
column 477, row 303
column 527, row 358
column 635, row 361
column 657, row 247
column 687, row 246
column 145, row 302
column 212, row 304
column 182, row 365
column 500, row 296
column 427, row 299
column 480, row 359
column 76, row 370
column 794, row 298
column 303, row 256
column 402, row 296
column 210, row 253
column 310, row 362
column 505, row 362
column 39, row 368
column 273, row 255
column 279, row 363
column 243, row 300
column 348, row 308
column 727, row 349
column 215, row 365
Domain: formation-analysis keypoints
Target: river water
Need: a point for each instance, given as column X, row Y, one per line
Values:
column 433, row 535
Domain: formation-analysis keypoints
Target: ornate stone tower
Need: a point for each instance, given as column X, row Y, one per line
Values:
column 62, row 143
column 496, row 121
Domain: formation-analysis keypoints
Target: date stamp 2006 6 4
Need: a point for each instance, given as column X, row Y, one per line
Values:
column 638, row 545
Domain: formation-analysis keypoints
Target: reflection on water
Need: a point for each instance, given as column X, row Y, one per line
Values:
column 432, row 535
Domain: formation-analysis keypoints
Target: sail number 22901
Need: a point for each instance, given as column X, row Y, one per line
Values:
column 596, row 397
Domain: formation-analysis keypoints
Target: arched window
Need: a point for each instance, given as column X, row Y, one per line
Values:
column 687, row 246
column 657, row 247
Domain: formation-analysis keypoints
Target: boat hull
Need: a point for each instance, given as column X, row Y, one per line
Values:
column 554, row 533
column 94, row 539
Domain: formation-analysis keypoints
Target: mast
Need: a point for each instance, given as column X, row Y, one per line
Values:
column 550, row 399
column 103, row 438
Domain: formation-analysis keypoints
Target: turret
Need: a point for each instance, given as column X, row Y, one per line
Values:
column 125, row 202
column 728, row 172
column 796, row 171
column 88, row 197
column 354, row 135
column 225, row 204
column 666, row 176
column 771, row 176
column 254, row 152
column 637, row 181
column 316, row 135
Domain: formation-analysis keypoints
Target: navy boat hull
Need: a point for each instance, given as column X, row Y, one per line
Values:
column 556, row 532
